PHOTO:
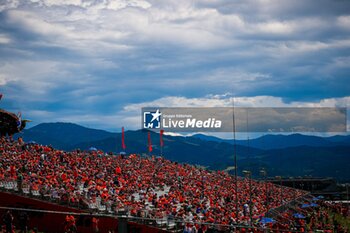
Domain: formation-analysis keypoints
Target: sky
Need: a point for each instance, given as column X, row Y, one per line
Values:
column 97, row 63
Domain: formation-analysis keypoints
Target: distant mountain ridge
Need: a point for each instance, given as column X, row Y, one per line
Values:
column 268, row 142
column 63, row 135
column 292, row 155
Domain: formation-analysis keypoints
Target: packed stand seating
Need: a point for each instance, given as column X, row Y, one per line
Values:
column 151, row 187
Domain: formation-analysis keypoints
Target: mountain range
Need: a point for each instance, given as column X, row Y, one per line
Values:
column 274, row 141
column 284, row 155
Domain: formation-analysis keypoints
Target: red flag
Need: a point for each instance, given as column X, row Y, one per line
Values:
column 149, row 142
column 123, row 139
column 161, row 137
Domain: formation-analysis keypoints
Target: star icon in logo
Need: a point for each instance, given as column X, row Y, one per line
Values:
column 156, row 115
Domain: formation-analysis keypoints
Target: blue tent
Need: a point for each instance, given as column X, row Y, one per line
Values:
column 305, row 206
column 92, row 149
column 313, row 205
column 297, row 215
column 267, row 220
column 320, row 197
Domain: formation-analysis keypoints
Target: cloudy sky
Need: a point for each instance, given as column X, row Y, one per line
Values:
column 98, row 62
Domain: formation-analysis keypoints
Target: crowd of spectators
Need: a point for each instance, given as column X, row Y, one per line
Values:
column 150, row 186
column 320, row 217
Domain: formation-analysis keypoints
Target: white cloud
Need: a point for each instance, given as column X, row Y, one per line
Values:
column 227, row 101
column 276, row 28
column 344, row 21
column 90, row 38
column 4, row 39
column 3, row 80
column 50, row 3
column 124, row 24
column 9, row 4
column 32, row 22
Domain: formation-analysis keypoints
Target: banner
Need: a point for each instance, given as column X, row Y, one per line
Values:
column 123, row 139
column 149, row 142
column 161, row 137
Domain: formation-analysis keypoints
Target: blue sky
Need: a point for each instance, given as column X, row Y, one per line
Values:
column 96, row 63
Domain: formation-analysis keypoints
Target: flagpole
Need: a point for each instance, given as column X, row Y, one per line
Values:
column 249, row 166
column 235, row 156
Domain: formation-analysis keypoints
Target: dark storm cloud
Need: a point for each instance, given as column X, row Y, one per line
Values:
column 65, row 59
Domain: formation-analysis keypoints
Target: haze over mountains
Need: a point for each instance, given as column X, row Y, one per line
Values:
column 292, row 155
column 282, row 141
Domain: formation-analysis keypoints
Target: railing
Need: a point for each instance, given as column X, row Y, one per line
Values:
column 169, row 224
column 282, row 208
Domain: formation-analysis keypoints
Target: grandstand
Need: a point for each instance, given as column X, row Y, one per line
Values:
column 150, row 190
column 318, row 186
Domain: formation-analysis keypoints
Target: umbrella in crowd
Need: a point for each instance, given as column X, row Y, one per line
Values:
column 267, row 220
column 298, row 215
column 92, row 149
